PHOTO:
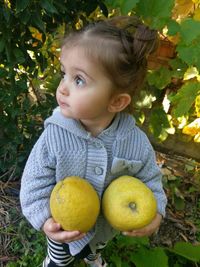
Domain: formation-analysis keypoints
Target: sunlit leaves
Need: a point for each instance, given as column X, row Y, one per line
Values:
column 193, row 129
column 197, row 105
column 190, row 54
column 124, row 5
column 155, row 12
column 191, row 73
column 159, row 78
column 197, row 14
column 182, row 9
column 127, row 5
column 185, row 98
column 189, row 31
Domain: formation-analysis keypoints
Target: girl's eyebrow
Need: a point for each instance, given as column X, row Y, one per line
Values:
column 78, row 69
column 81, row 70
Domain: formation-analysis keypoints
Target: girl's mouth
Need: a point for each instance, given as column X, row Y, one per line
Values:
column 62, row 104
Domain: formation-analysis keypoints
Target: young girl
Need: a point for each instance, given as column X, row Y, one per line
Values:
column 91, row 134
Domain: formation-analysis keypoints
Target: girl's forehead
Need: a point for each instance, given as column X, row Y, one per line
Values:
column 74, row 51
column 77, row 55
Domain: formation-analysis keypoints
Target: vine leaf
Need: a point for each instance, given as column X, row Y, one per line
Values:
column 160, row 78
column 187, row 251
column 189, row 31
column 124, row 5
column 159, row 123
column 156, row 12
column 127, row 5
column 150, row 258
column 189, row 54
column 184, row 98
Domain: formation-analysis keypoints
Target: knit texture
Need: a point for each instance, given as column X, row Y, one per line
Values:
column 65, row 149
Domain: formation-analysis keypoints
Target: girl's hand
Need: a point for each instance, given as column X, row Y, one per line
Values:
column 147, row 230
column 53, row 230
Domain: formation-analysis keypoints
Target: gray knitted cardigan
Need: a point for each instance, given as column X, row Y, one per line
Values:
column 65, row 148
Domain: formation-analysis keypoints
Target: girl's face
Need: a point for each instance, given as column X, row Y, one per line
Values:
column 84, row 92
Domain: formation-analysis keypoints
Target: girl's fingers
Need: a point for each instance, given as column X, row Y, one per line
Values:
column 65, row 236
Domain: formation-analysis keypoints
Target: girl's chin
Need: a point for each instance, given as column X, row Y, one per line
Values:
column 66, row 114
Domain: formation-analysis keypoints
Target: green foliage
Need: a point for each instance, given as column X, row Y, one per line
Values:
column 125, row 6
column 26, row 243
column 185, row 98
column 150, row 258
column 160, row 79
column 158, row 122
column 30, row 33
column 187, row 251
column 180, row 28
column 130, row 251
column 155, row 13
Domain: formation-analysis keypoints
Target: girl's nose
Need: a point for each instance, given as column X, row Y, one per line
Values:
column 64, row 88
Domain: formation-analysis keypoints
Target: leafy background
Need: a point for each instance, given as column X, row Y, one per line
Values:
column 168, row 106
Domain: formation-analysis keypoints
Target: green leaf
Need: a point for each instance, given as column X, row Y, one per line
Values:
column 189, row 30
column 124, row 5
column 127, row 5
column 21, row 5
column 116, row 259
column 48, row 6
column 113, row 3
column 159, row 78
column 19, row 55
column 2, row 44
column 173, row 27
column 178, row 67
column 189, row 54
column 158, row 122
column 156, row 12
column 25, row 16
column 130, row 241
column 150, row 258
column 187, row 250
column 37, row 21
column 185, row 98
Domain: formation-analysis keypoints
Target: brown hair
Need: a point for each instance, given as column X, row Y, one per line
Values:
column 120, row 46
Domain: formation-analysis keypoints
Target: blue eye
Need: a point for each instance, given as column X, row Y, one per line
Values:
column 79, row 81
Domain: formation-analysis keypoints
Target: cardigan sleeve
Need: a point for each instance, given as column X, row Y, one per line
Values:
column 37, row 182
column 151, row 175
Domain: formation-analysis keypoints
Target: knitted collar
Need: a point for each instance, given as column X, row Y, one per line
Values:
column 120, row 126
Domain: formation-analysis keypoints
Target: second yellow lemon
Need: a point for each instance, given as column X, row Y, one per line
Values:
column 128, row 204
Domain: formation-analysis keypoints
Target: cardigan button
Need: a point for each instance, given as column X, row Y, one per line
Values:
column 98, row 145
column 98, row 170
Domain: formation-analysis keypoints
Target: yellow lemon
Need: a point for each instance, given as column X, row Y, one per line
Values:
column 74, row 204
column 128, row 204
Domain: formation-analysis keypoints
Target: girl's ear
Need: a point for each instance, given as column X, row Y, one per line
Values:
column 119, row 102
